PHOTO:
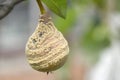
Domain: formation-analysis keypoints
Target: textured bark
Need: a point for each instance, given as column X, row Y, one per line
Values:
column 7, row 6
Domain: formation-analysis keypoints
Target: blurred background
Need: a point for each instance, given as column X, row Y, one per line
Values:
column 92, row 28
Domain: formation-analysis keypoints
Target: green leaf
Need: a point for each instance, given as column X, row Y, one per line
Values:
column 65, row 25
column 57, row 6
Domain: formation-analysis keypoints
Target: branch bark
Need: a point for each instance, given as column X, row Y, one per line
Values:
column 7, row 6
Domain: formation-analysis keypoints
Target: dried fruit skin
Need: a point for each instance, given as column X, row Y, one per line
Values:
column 46, row 48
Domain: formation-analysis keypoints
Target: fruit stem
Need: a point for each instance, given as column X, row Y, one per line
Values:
column 41, row 7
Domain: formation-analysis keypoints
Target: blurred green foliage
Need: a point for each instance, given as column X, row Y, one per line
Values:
column 64, row 25
column 96, row 39
column 100, row 3
column 117, row 5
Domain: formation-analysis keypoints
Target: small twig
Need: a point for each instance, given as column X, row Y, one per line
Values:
column 41, row 7
column 7, row 6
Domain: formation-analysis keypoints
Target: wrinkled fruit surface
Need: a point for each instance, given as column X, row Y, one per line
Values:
column 46, row 48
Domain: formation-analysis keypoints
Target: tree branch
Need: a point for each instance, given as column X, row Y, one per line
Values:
column 7, row 6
